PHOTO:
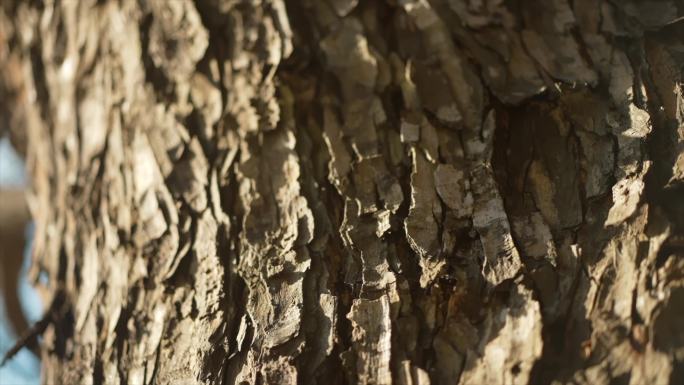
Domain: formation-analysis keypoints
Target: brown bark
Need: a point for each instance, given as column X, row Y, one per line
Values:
column 398, row 192
column 14, row 217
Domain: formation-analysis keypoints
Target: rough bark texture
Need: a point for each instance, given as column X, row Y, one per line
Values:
column 342, row 191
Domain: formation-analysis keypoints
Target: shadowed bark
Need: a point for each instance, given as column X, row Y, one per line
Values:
column 379, row 192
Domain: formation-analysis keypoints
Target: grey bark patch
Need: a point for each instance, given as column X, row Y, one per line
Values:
column 501, row 258
column 371, row 338
column 421, row 224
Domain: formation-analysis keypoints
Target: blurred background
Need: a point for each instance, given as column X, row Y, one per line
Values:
column 20, row 305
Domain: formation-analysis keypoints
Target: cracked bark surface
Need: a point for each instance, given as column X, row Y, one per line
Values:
column 383, row 192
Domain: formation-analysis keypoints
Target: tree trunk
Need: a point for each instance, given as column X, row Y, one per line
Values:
column 354, row 192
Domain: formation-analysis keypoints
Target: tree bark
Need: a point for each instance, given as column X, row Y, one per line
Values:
column 345, row 192
column 14, row 216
